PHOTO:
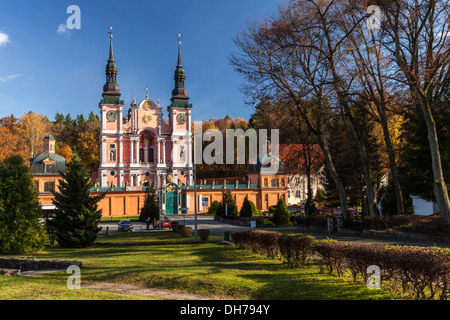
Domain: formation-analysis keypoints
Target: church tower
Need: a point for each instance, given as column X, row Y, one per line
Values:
column 180, row 121
column 111, row 135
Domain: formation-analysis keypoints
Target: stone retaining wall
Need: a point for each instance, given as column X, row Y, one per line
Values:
column 28, row 264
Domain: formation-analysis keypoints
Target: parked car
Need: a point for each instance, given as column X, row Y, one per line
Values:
column 165, row 224
column 125, row 225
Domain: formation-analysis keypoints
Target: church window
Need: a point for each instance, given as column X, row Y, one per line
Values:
column 182, row 154
column 112, row 155
column 142, row 154
column 151, row 155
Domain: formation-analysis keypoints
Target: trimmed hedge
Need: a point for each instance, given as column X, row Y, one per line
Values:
column 423, row 272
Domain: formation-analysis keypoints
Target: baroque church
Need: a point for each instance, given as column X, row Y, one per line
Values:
column 142, row 148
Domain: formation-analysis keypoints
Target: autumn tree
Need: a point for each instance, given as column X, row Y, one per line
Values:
column 8, row 138
column 417, row 36
column 281, row 60
column 32, row 130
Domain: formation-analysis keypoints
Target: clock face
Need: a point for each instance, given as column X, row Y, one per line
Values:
column 181, row 118
column 112, row 116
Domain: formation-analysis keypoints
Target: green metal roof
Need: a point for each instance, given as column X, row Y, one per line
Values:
column 38, row 166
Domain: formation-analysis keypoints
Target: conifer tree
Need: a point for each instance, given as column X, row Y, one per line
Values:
column 77, row 213
column 231, row 208
column 281, row 214
column 150, row 208
column 20, row 231
column 246, row 210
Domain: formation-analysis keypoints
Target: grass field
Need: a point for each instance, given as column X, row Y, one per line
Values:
column 166, row 260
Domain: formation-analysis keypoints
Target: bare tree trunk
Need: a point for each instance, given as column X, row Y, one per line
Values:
column 370, row 189
column 342, row 194
column 440, row 187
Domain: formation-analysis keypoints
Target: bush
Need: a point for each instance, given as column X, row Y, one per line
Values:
column 423, row 272
column 213, row 207
column 186, row 232
column 203, row 234
column 246, row 210
column 180, row 228
column 281, row 215
column 295, row 249
column 231, row 208
column 175, row 225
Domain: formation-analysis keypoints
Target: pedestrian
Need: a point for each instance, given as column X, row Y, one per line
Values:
column 147, row 222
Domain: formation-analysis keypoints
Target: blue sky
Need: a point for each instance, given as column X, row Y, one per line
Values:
column 47, row 71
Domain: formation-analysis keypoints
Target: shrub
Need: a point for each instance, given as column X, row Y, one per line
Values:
column 295, row 249
column 203, row 234
column 175, row 225
column 281, row 214
column 186, row 232
column 424, row 272
column 180, row 228
column 246, row 210
column 213, row 207
column 231, row 208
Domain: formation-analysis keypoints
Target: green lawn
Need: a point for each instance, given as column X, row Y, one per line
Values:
column 166, row 260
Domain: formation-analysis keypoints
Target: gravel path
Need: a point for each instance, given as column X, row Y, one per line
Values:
column 145, row 291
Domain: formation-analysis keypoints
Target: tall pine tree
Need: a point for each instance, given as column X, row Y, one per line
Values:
column 77, row 214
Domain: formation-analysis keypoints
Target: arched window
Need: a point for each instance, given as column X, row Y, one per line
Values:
column 182, row 154
column 141, row 155
column 274, row 183
column 112, row 155
column 151, row 155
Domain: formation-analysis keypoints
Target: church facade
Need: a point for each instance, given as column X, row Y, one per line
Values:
column 142, row 148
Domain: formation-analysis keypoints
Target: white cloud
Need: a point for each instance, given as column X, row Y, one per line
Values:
column 62, row 28
column 4, row 39
column 10, row 77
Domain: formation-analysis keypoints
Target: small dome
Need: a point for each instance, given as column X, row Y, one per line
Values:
column 49, row 137
column 38, row 165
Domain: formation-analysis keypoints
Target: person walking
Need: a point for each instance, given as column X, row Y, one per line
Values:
column 148, row 222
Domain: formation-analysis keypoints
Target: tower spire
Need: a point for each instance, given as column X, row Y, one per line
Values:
column 111, row 90
column 179, row 93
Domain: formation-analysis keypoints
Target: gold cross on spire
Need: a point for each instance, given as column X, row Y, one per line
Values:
column 179, row 39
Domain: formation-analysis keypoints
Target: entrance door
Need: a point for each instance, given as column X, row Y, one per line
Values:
column 171, row 199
